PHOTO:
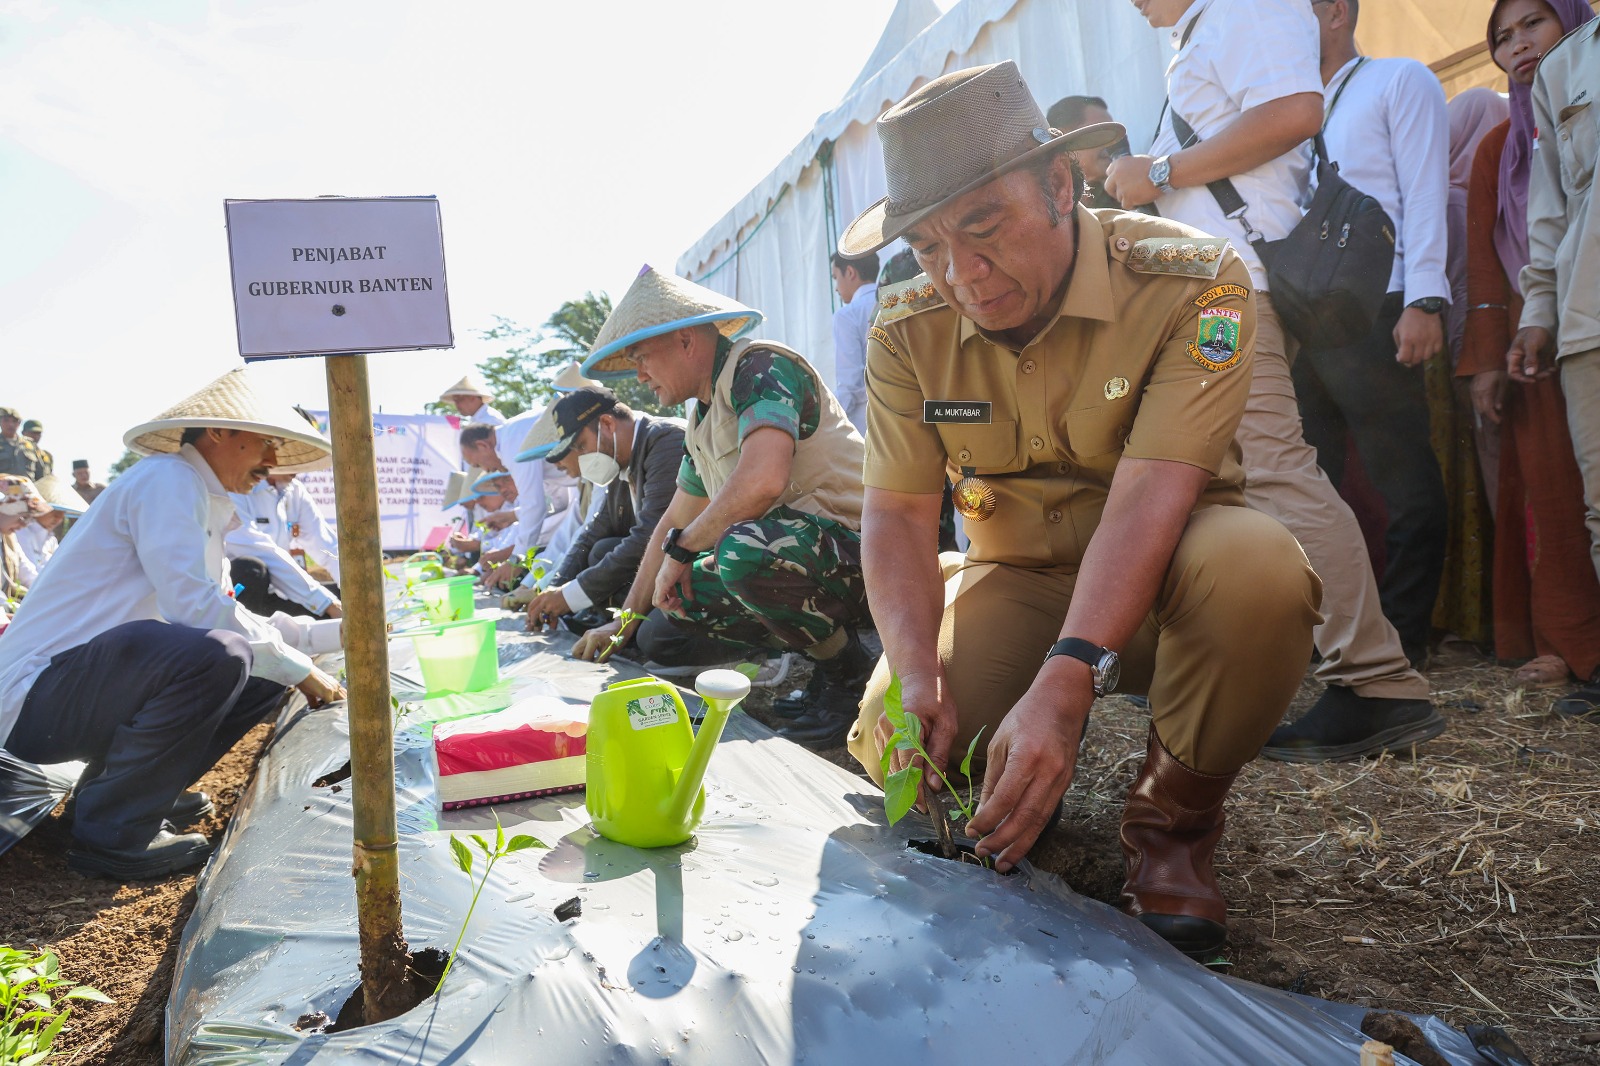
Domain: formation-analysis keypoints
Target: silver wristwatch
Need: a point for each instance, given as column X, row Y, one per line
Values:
column 1161, row 174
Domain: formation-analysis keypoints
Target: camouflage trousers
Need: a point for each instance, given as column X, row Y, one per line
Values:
column 788, row 580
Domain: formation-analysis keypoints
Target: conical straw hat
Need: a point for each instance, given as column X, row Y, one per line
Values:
column 485, row 485
column 570, row 378
column 542, row 437
column 470, row 385
column 60, row 496
column 231, row 403
column 659, row 303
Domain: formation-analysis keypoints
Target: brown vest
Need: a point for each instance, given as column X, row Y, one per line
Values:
column 826, row 476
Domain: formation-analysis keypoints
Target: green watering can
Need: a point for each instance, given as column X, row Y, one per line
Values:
column 644, row 765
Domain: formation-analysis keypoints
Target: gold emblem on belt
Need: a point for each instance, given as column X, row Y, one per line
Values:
column 973, row 497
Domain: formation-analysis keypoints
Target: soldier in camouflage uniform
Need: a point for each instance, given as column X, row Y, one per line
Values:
column 761, row 545
column 33, row 429
column 17, row 453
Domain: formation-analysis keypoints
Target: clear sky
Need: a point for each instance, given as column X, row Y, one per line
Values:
column 568, row 144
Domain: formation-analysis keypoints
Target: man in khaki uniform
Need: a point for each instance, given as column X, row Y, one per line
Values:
column 33, row 429
column 1082, row 372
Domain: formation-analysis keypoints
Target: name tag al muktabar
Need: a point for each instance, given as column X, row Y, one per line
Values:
column 976, row 412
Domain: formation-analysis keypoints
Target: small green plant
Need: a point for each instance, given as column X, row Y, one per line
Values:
column 33, row 1004
column 749, row 670
column 502, row 848
column 623, row 617
column 900, row 788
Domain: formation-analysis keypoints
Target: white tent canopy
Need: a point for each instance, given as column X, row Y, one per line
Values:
column 771, row 250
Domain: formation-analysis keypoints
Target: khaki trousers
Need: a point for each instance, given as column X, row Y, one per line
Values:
column 1580, row 381
column 1220, row 656
column 1360, row 649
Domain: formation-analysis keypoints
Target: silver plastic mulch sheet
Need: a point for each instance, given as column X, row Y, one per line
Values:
column 794, row 927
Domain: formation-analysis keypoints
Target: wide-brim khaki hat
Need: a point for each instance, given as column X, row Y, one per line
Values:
column 60, row 496
column 541, row 438
column 951, row 136
column 571, row 378
column 231, row 403
column 658, row 303
column 469, row 385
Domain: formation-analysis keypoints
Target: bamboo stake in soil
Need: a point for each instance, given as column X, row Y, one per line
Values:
column 385, row 991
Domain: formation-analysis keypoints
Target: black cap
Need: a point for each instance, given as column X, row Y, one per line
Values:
column 577, row 409
column 80, row 464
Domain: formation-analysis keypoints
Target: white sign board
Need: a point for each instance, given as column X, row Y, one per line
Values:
column 337, row 275
column 415, row 456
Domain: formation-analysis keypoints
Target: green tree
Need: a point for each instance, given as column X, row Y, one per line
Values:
column 129, row 457
column 521, row 378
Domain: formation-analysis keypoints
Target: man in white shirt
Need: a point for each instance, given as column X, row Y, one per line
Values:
column 130, row 654
column 481, row 446
column 1245, row 78
column 277, row 518
column 1387, row 128
column 471, row 401
column 856, row 282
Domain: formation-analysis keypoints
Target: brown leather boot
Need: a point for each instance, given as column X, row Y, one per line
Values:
column 1170, row 828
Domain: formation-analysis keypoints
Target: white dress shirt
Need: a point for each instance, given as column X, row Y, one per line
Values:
column 257, row 536
column 532, row 507
column 38, row 544
column 1390, row 135
column 150, row 548
column 487, row 416
column 850, row 324
column 1243, row 53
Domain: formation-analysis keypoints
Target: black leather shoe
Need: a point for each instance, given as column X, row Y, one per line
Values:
column 1581, row 702
column 851, row 668
column 190, row 807
column 1342, row 725
column 167, row 854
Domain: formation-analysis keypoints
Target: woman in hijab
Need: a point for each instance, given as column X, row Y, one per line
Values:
column 1547, row 599
column 1466, row 447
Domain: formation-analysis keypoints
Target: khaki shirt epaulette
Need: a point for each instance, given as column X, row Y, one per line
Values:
column 1197, row 257
column 907, row 298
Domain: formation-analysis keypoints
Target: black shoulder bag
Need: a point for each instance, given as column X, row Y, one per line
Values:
column 1330, row 275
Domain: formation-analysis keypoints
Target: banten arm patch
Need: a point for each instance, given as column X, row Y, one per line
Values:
column 875, row 333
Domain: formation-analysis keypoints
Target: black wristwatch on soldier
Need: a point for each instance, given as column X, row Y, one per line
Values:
column 673, row 551
column 1429, row 305
column 1105, row 666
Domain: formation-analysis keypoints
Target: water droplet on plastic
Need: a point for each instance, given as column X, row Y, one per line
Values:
column 766, row 882
column 811, row 936
column 733, row 934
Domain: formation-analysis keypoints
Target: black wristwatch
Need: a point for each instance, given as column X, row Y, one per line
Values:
column 670, row 547
column 1105, row 666
column 1429, row 305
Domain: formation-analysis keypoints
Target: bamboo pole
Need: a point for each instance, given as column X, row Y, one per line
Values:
column 376, row 860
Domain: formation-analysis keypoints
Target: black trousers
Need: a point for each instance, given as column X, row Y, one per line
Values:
column 257, row 595
column 1361, row 393
column 154, row 706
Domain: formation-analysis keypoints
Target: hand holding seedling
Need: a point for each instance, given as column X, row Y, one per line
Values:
column 320, row 689
column 545, row 608
column 1032, row 758
column 926, row 696
column 902, row 787
column 499, row 519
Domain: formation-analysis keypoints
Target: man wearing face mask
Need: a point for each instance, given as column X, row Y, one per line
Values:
column 634, row 458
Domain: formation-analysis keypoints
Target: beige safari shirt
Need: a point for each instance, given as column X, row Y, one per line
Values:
column 1119, row 371
column 1561, row 283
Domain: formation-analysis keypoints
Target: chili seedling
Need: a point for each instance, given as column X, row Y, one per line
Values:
column 33, row 1005
column 502, row 848
column 623, row 617
column 901, row 787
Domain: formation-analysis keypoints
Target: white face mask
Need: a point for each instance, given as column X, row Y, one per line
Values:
column 597, row 467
